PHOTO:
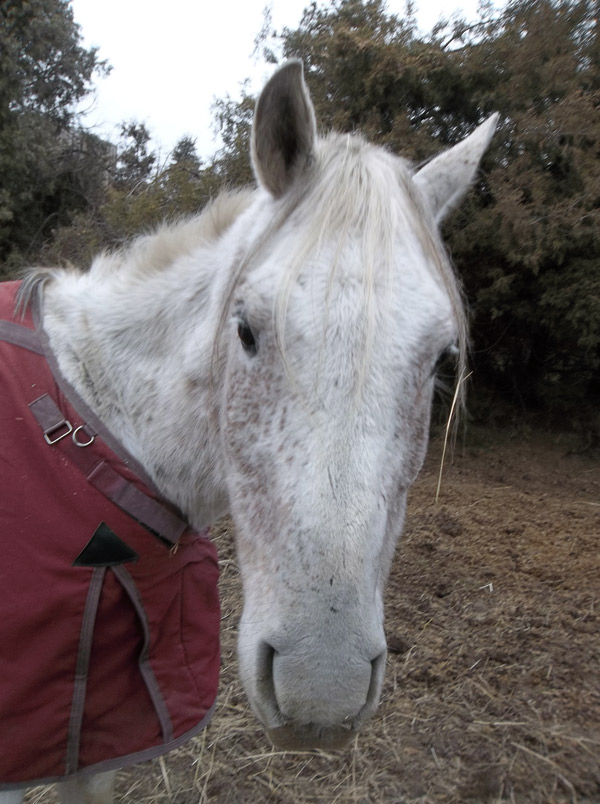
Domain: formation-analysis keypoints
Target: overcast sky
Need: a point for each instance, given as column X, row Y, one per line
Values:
column 172, row 59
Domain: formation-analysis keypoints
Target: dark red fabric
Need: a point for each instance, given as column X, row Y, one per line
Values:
column 48, row 513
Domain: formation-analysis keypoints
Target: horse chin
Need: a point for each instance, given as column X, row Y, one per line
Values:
column 310, row 736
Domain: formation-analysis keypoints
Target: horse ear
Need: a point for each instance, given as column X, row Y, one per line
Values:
column 445, row 179
column 284, row 130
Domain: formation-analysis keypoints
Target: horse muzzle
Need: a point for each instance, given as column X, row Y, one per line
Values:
column 307, row 702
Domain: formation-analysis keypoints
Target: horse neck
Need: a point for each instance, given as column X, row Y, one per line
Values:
column 140, row 352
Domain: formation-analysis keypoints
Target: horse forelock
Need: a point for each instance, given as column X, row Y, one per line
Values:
column 352, row 188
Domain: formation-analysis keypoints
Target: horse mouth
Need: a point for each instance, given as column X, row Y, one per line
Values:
column 311, row 735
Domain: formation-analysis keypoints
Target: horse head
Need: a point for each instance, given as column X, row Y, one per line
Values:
column 341, row 305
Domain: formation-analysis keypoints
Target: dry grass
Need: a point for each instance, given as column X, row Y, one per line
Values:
column 492, row 690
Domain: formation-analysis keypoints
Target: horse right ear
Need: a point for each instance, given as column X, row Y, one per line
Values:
column 284, row 130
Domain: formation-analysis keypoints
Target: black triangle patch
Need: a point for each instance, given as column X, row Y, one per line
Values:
column 105, row 549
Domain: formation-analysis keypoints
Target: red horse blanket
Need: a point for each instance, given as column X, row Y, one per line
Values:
column 109, row 626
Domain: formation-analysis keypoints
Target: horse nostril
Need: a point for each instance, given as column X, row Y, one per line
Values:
column 266, row 654
column 265, row 685
column 374, row 691
column 378, row 664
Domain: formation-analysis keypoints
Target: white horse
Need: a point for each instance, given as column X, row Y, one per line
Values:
column 286, row 343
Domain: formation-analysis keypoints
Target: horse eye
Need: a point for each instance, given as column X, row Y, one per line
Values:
column 247, row 338
column 446, row 360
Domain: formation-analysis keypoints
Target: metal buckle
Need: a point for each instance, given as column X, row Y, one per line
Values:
column 49, row 436
column 82, row 443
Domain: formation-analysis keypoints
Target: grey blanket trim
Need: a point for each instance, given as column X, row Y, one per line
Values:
column 121, row 762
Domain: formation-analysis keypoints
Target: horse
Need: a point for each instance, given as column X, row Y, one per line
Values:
column 274, row 358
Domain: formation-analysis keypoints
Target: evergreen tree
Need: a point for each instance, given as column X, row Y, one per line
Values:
column 44, row 72
column 528, row 241
column 136, row 160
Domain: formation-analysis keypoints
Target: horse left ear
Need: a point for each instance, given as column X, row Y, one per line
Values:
column 445, row 179
column 284, row 130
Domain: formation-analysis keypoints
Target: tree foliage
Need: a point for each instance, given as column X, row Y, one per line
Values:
column 233, row 120
column 44, row 72
column 141, row 194
column 526, row 242
column 135, row 160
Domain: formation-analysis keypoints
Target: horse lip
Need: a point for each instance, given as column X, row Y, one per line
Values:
column 310, row 736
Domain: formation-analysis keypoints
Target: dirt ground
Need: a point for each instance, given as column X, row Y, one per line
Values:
column 492, row 686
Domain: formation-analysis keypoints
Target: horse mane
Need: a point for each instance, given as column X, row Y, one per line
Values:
column 170, row 241
column 152, row 252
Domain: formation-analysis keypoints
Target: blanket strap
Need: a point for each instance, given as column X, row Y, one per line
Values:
column 76, row 442
column 60, row 434
column 20, row 335
column 82, row 669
